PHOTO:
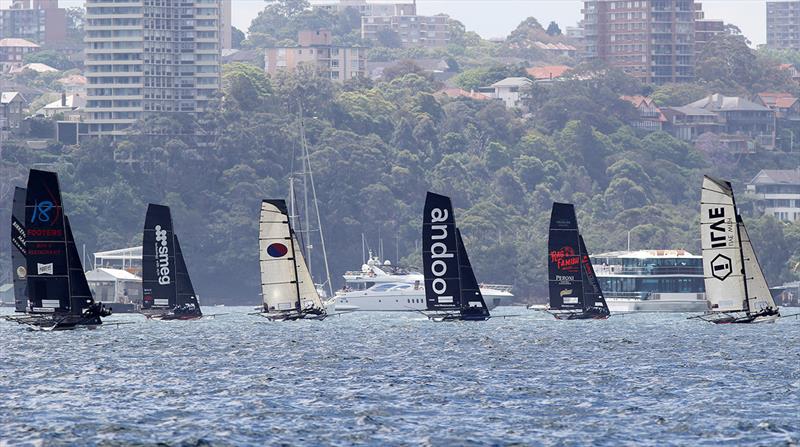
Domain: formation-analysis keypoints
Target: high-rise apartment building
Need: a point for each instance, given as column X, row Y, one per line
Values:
column 783, row 25
column 40, row 21
column 146, row 57
column 653, row 40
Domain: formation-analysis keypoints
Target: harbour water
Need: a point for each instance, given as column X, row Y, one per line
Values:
column 399, row 379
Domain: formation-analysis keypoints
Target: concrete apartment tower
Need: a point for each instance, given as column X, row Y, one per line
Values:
column 40, row 21
column 783, row 25
column 653, row 40
column 149, row 57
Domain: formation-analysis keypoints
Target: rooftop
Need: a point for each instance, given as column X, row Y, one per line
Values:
column 513, row 82
column 777, row 177
column 14, row 42
column 721, row 103
column 7, row 97
column 548, row 71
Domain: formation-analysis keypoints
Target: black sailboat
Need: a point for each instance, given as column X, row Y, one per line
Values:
column 57, row 292
column 451, row 291
column 18, row 262
column 575, row 292
column 167, row 290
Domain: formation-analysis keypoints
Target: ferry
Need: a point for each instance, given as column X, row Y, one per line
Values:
column 383, row 287
column 651, row 281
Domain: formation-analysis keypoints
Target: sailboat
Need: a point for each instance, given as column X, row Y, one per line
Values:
column 451, row 290
column 287, row 289
column 736, row 288
column 575, row 292
column 18, row 261
column 168, row 293
column 58, row 295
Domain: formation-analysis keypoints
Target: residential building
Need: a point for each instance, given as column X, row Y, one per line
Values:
column 547, row 72
column 35, row 67
column 705, row 31
column 414, row 30
column 776, row 193
column 510, row 90
column 148, row 57
column 12, row 112
column 366, row 8
column 40, row 21
column 70, row 106
column 557, row 48
column 13, row 51
column 792, row 70
column 650, row 117
column 783, row 25
column 316, row 49
column 689, row 123
column 653, row 40
column 785, row 105
column 73, row 84
column 226, row 27
column 740, row 116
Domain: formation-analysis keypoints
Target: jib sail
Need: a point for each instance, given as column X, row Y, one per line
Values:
column 280, row 288
column 184, row 287
column 18, row 262
column 472, row 302
column 440, row 254
column 46, row 244
column 592, row 293
column 80, row 293
column 159, row 282
column 758, row 294
column 564, row 259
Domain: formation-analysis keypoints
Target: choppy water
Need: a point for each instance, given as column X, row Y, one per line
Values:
column 398, row 379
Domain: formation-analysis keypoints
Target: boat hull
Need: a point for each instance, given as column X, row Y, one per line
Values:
column 294, row 316
column 741, row 318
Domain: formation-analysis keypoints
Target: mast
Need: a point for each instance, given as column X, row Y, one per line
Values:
column 294, row 265
column 741, row 254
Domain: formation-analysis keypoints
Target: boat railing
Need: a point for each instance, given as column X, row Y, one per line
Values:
column 498, row 287
column 651, row 270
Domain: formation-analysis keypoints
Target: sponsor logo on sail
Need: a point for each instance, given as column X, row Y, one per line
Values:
column 439, row 253
column 721, row 228
column 44, row 269
column 277, row 250
column 565, row 292
column 21, row 272
column 565, row 279
column 41, row 212
column 566, row 259
column 721, row 267
column 162, row 257
column 570, row 300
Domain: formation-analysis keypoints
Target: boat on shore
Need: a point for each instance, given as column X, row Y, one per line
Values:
column 736, row 288
column 575, row 292
column 167, row 290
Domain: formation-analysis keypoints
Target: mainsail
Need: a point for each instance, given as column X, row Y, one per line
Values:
column 726, row 289
column 592, row 293
column 183, row 282
column 52, row 260
column 440, row 254
column 286, row 283
column 564, row 259
column 159, row 289
column 18, row 262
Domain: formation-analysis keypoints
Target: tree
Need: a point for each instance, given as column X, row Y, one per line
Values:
column 237, row 37
column 553, row 29
column 53, row 58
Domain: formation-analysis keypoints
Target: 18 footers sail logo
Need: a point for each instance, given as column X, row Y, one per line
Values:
column 162, row 257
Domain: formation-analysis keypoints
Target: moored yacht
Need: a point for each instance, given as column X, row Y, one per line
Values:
column 382, row 287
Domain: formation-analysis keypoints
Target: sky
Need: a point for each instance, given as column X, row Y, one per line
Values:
column 496, row 18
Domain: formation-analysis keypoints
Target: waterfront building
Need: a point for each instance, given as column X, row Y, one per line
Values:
column 12, row 111
column 149, row 57
column 316, row 49
column 776, row 192
column 40, row 21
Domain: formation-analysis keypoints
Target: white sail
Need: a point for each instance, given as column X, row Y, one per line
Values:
column 722, row 255
column 276, row 254
column 758, row 295
column 309, row 297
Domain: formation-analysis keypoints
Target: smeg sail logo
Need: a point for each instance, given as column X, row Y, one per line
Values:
column 162, row 257
column 721, row 267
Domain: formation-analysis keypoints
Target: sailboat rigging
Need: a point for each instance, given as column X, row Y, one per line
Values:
column 168, row 293
column 287, row 289
column 575, row 292
column 18, row 261
column 58, row 295
column 451, row 289
column 736, row 288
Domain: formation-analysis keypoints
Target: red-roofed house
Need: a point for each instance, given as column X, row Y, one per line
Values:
column 785, row 105
column 791, row 69
column 650, row 117
column 547, row 73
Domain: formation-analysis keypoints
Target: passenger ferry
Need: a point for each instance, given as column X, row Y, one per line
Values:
column 651, row 281
column 383, row 287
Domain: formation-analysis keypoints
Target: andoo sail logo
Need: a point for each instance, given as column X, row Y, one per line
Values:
column 162, row 257
column 565, row 259
column 439, row 252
